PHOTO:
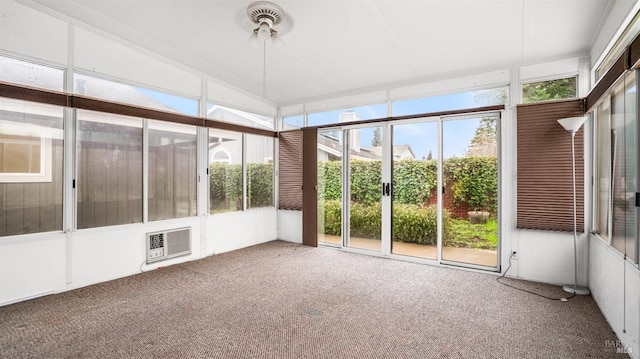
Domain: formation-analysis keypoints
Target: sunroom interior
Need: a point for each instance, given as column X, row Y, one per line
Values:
column 140, row 135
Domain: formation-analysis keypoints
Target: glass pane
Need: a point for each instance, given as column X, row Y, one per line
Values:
column 365, row 187
column 259, row 171
column 624, row 167
column 603, row 170
column 549, row 90
column 29, row 74
column 31, row 191
column 109, row 165
column 292, row 123
column 627, row 36
column 172, row 170
column 414, row 228
column 138, row 96
column 470, row 172
column 348, row 115
column 225, row 171
column 330, row 187
column 456, row 101
column 231, row 115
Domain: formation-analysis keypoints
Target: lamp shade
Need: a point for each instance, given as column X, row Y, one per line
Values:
column 572, row 124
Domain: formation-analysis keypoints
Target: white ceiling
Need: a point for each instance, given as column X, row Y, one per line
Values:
column 337, row 47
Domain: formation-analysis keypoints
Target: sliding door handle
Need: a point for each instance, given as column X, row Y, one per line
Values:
column 386, row 189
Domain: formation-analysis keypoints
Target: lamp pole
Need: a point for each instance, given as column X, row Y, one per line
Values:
column 572, row 125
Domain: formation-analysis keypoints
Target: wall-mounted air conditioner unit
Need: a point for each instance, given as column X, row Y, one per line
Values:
column 168, row 244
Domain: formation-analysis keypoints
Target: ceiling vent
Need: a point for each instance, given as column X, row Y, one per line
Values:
column 260, row 11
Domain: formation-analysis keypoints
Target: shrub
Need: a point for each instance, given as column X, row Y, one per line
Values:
column 225, row 187
column 411, row 223
column 365, row 220
column 330, row 180
column 474, row 181
column 365, row 181
column 333, row 217
column 413, row 181
column 415, row 224
column 259, row 185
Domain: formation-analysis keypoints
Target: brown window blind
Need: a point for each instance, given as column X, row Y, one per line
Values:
column 544, row 184
column 310, row 187
column 290, row 170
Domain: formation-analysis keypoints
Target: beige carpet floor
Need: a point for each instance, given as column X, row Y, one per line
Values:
column 283, row 300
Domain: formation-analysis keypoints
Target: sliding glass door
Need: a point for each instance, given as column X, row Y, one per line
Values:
column 422, row 188
column 470, row 179
column 414, row 219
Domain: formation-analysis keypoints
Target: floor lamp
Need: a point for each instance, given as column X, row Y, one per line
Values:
column 572, row 125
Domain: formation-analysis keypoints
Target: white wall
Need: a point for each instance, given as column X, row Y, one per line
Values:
column 31, row 266
column 615, row 286
column 290, row 226
column 45, row 263
column 234, row 230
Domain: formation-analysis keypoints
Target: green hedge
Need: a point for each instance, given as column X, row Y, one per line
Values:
column 473, row 180
column 226, row 186
column 413, row 181
column 411, row 223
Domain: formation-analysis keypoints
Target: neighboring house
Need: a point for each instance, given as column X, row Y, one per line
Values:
column 400, row 152
column 227, row 148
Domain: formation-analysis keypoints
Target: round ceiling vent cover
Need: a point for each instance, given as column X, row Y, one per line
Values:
column 260, row 10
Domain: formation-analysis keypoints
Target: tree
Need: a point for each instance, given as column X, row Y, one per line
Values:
column 485, row 140
column 490, row 97
column 549, row 90
column 377, row 138
column 429, row 156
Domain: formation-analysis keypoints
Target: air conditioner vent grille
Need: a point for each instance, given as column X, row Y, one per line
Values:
column 178, row 242
column 168, row 244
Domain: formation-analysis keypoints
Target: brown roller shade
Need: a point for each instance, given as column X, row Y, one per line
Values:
column 290, row 170
column 310, row 187
column 33, row 94
column 544, row 184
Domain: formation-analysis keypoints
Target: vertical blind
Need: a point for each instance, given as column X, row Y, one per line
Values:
column 544, row 179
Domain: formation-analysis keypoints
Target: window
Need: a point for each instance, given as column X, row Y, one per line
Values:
column 367, row 112
column 549, row 90
column 259, row 171
column 616, row 168
column 109, row 169
column 293, row 122
column 24, row 158
column 172, row 170
column 225, row 171
column 627, row 36
column 138, row 96
column 31, row 165
column 231, row 115
column 455, row 101
column 29, row 74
